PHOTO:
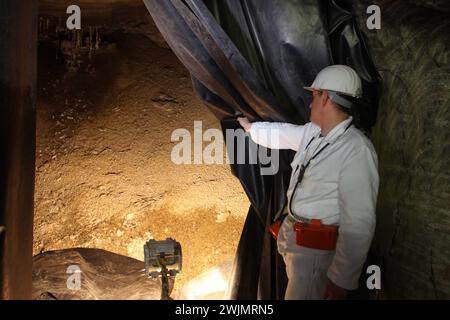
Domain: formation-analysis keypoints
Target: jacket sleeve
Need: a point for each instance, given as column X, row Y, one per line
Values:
column 278, row 135
column 358, row 190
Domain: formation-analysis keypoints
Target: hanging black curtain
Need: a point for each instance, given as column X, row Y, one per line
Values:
column 253, row 57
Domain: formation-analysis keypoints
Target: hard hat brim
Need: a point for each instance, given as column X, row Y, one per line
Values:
column 343, row 93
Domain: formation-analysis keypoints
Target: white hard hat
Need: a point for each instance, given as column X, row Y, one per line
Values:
column 339, row 78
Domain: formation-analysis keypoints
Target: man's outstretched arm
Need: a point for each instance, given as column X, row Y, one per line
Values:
column 275, row 135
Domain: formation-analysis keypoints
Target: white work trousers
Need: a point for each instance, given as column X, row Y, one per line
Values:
column 306, row 268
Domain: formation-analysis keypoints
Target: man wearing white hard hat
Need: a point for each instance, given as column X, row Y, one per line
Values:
column 327, row 226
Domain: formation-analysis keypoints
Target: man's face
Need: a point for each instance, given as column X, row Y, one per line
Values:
column 315, row 106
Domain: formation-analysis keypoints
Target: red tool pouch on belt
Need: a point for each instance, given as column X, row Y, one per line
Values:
column 316, row 235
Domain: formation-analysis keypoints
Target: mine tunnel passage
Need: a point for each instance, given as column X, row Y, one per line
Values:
column 104, row 175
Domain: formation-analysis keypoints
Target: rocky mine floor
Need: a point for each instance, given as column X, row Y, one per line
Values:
column 104, row 175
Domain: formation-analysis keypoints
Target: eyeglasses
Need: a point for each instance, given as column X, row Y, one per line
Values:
column 317, row 93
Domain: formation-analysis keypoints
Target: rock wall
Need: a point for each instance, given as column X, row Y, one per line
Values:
column 411, row 52
column 17, row 144
column 129, row 16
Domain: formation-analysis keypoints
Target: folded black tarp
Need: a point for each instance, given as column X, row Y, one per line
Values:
column 253, row 57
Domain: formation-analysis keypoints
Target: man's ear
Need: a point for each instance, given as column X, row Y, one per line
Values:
column 325, row 97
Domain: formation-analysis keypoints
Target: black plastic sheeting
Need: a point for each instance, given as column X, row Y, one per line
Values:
column 253, row 57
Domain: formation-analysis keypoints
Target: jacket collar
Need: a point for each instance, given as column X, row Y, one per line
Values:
column 337, row 131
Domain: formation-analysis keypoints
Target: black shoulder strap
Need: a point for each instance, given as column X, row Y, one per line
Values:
column 305, row 166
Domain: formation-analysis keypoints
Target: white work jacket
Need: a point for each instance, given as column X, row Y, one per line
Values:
column 339, row 186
